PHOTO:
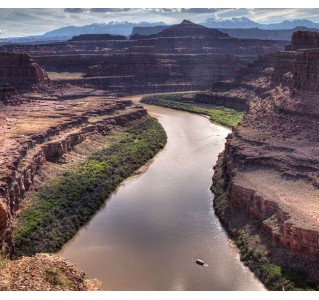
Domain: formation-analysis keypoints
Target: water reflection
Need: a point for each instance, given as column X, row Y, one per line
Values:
column 156, row 224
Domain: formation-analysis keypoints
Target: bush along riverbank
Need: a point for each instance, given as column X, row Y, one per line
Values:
column 67, row 202
column 255, row 248
column 225, row 116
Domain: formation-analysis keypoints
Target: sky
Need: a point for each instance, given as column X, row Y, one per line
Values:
column 16, row 22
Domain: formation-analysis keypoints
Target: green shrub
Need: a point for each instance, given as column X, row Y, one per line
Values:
column 224, row 116
column 55, row 277
column 68, row 201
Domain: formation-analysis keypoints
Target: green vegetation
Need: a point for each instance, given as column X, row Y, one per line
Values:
column 67, row 202
column 255, row 250
column 55, row 277
column 219, row 114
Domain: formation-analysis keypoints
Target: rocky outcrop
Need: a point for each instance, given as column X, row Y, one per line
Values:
column 181, row 57
column 9, row 95
column 306, row 70
column 20, row 70
column 44, row 272
column 304, row 40
column 144, row 72
column 39, row 131
column 271, row 157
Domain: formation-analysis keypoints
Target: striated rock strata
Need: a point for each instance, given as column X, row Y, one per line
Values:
column 138, row 73
column 185, row 56
column 271, row 157
column 39, row 131
column 20, row 70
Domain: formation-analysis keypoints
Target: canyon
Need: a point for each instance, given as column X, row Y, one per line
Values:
column 38, row 131
column 56, row 97
column 39, row 128
column 270, row 163
column 185, row 56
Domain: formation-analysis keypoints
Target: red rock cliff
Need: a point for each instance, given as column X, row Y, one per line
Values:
column 20, row 70
column 272, row 155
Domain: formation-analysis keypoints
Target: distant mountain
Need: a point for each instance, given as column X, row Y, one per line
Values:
column 244, row 22
column 292, row 24
column 184, row 29
column 264, row 34
column 36, row 39
column 241, row 22
column 116, row 28
column 188, row 28
column 66, row 33
column 149, row 28
column 242, row 33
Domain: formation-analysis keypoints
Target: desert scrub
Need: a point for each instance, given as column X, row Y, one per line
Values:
column 55, row 277
column 219, row 114
column 67, row 202
column 255, row 250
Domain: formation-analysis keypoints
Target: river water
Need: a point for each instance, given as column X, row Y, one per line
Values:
column 153, row 228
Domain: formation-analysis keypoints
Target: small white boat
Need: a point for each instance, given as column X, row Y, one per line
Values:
column 200, row 262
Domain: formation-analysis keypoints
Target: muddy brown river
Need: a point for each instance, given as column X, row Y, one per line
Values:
column 153, row 228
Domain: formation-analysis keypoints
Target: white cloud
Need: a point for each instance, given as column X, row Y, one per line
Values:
column 30, row 21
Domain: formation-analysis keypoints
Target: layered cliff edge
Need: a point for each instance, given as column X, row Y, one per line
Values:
column 39, row 130
column 270, row 165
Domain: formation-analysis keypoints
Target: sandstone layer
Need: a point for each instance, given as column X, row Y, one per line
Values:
column 38, row 131
column 20, row 71
column 182, row 57
column 271, row 157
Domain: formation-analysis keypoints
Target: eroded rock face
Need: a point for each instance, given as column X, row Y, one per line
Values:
column 36, row 132
column 143, row 72
column 306, row 70
column 181, row 57
column 271, row 157
column 305, row 40
column 20, row 70
column 170, row 58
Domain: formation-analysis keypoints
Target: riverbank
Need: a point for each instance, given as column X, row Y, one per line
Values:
column 163, row 220
column 66, row 202
column 256, row 250
column 218, row 114
column 254, row 246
